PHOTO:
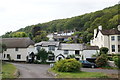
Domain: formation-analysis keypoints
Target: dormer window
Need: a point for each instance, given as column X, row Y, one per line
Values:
column 112, row 38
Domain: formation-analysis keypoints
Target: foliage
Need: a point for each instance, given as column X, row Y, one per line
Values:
column 42, row 55
column 79, row 74
column 101, row 61
column 8, row 70
column 70, row 56
column 103, row 50
column 67, row 65
column 117, row 61
column 41, row 37
column 2, row 47
column 19, row 34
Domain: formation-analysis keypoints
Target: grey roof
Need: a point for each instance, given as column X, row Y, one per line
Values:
column 17, row 42
column 73, row 46
column 111, row 32
column 91, row 48
column 47, row 43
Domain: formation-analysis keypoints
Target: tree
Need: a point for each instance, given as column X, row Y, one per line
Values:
column 19, row 34
column 101, row 61
column 103, row 50
column 42, row 55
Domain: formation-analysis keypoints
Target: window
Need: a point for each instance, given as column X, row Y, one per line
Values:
column 4, row 55
column 118, row 38
column 8, row 55
column 77, row 52
column 51, row 48
column 65, row 51
column 16, row 49
column 51, row 58
column 18, row 56
column 113, row 48
column 118, row 48
column 112, row 38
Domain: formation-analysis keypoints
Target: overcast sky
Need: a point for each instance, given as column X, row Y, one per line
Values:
column 16, row 14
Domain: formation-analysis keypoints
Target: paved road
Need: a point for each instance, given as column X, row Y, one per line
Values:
column 32, row 70
column 40, row 70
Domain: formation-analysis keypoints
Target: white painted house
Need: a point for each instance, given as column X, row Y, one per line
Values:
column 18, row 48
column 62, row 50
column 107, row 38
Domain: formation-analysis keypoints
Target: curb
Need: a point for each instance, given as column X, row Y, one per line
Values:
column 17, row 73
column 52, row 73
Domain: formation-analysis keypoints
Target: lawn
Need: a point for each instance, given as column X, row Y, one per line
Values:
column 79, row 74
column 8, row 70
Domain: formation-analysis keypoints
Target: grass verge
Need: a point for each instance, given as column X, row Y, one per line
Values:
column 79, row 74
column 8, row 70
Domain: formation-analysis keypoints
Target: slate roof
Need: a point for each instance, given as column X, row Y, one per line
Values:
column 47, row 43
column 110, row 32
column 65, row 46
column 17, row 42
column 91, row 48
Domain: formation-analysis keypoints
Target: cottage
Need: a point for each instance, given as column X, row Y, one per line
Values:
column 62, row 50
column 107, row 38
column 17, row 48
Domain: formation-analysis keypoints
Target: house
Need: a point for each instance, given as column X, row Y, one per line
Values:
column 61, row 36
column 107, row 38
column 62, row 50
column 18, row 48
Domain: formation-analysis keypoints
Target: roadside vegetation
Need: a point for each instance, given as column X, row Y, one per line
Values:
column 71, row 68
column 8, row 70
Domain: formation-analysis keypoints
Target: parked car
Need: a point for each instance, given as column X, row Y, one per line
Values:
column 88, row 64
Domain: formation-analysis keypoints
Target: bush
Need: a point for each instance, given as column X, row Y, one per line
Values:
column 67, row 65
column 117, row 61
column 103, row 50
column 101, row 61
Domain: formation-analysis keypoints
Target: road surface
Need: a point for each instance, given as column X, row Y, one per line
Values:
column 32, row 70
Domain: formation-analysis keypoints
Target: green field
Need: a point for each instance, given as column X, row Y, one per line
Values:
column 8, row 70
column 79, row 74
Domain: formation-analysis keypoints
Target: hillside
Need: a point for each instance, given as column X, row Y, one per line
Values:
column 107, row 17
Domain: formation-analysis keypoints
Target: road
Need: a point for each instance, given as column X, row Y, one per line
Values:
column 32, row 70
column 40, row 70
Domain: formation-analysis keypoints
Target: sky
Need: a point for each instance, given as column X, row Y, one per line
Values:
column 16, row 14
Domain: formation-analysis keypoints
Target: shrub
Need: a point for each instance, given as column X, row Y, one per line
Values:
column 117, row 61
column 103, row 50
column 101, row 61
column 67, row 65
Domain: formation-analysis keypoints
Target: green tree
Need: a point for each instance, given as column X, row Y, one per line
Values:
column 104, row 50
column 42, row 55
column 19, row 34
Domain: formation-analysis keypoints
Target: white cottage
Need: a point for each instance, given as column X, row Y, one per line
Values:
column 107, row 38
column 18, row 48
column 62, row 50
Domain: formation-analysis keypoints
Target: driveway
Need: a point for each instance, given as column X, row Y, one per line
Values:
column 32, row 70
column 40, row 70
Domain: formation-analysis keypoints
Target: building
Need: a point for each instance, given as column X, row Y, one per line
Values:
column 62, row 50
column 61, row 36
column 107, row 38
column 17, row 49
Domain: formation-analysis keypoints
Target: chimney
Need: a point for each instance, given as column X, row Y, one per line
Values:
column 95, row 32
column 118, row 27
column 100, row 27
